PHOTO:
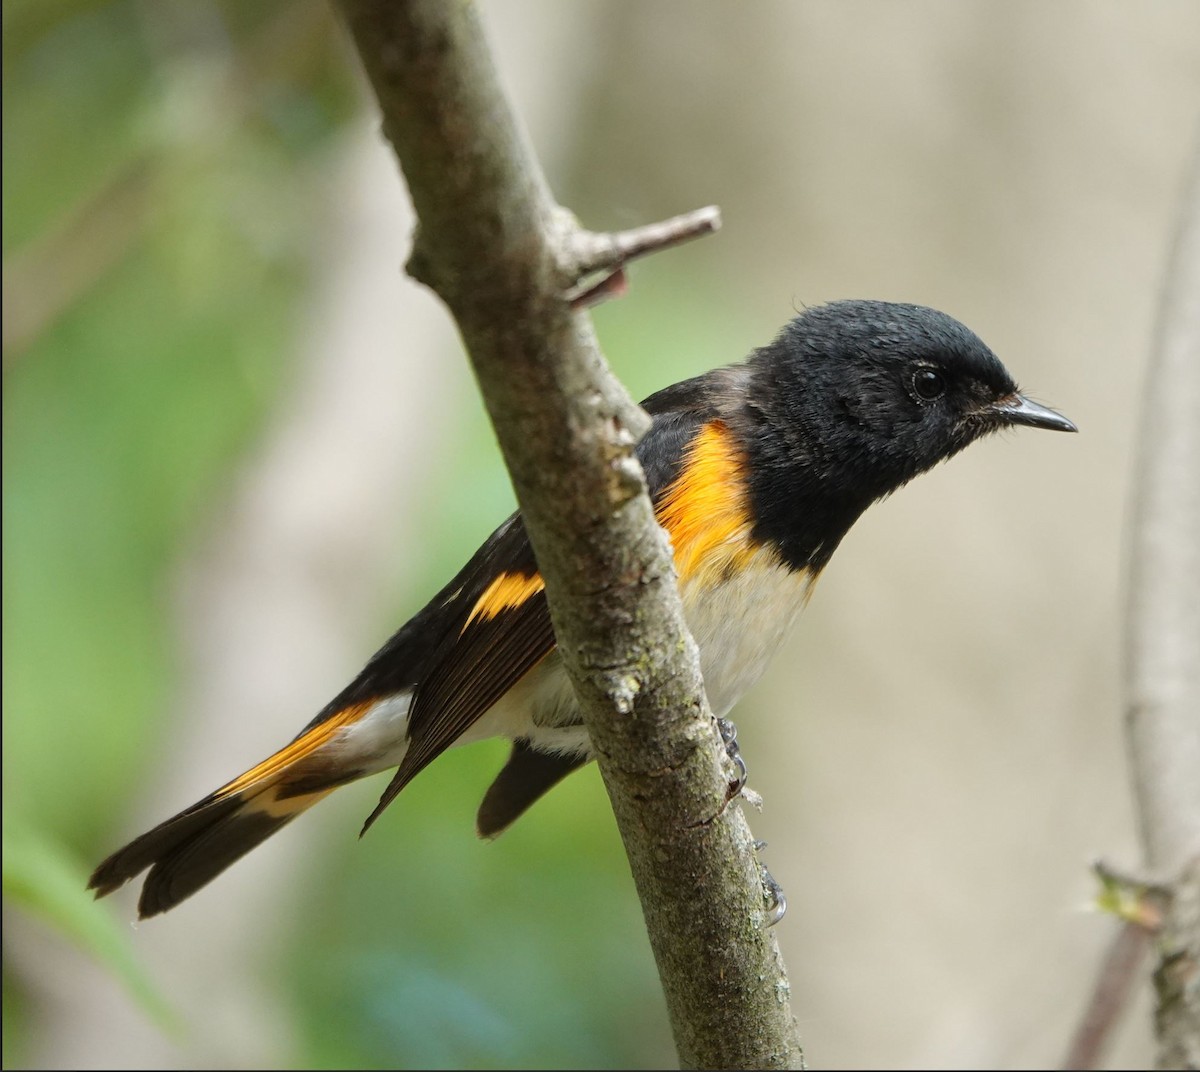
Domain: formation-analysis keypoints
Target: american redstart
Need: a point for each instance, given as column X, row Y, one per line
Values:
column 756, row 472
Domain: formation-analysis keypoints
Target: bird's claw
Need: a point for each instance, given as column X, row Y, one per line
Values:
column 729, row 736
column 772, row 892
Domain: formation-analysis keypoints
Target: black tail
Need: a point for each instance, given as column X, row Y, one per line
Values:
column 191, row 849
column 188, row 851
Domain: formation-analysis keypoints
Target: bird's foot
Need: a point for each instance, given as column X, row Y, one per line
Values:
column 729, row 737
column 773, row 893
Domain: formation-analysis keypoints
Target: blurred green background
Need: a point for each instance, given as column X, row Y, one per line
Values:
column 240, row 448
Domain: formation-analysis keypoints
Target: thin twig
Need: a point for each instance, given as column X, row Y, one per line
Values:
column 1110, row 996
column 594, row 252
column 613, row 285
column 598, row 252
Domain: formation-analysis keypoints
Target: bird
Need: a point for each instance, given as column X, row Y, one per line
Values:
column 756, row 471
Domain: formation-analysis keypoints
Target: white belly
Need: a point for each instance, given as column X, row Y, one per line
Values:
column 739, row 624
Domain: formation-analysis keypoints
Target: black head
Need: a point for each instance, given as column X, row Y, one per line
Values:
column 854, row 399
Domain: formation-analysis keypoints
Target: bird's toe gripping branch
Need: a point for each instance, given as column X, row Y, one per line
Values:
column 729, row 736
column 773, row 893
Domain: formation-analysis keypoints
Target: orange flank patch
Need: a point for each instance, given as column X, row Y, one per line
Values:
column 299, row 749
column 705, row 511
column 507, row 590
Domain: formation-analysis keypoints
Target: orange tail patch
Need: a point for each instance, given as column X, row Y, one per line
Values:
column 301, row 748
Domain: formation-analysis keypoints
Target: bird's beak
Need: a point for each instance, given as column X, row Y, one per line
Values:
column 1017, row 409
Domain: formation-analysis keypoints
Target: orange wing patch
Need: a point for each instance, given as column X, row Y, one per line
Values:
column 706, row 511
column 507, row 590
column 299, row 749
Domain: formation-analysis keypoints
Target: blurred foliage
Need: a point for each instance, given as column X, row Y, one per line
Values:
column 45, row 881
column 150, row 267
column 160, row 160
column 131, row 388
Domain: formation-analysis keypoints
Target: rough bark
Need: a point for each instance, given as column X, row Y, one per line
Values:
column 508, row 262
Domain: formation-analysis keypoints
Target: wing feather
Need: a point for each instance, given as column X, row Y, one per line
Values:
column 502, row 627
column 501, row 631
column 490, row 656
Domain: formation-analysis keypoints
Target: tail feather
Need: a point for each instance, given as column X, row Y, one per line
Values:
column 192, row 848
column 188, row 851
column 193, row 861
column 145, row 851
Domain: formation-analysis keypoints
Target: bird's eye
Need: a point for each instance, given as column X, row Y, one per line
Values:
column 928, row 384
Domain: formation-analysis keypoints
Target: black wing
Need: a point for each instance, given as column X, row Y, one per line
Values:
column 500, row 632
column 502, row 629
column 413, row 650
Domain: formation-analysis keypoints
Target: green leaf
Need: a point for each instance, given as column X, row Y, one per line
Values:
column 42, row 878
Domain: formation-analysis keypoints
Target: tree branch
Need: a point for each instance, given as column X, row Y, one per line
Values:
column 509, row 263
column 1109, row 996
column 1163, row 639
